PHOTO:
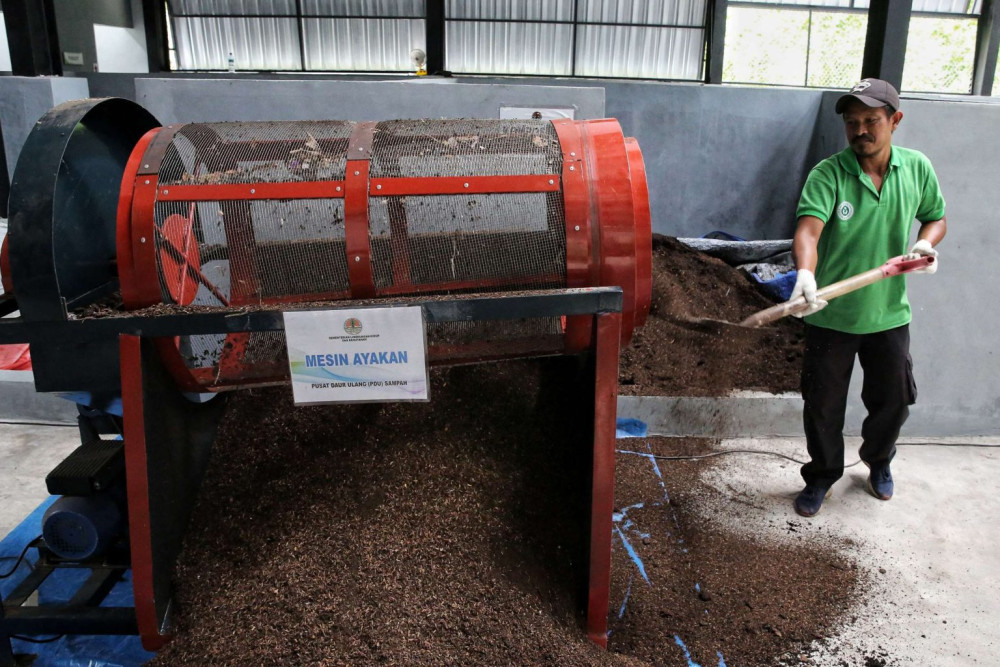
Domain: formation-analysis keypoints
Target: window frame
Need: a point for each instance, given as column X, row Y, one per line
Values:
column 712, row 28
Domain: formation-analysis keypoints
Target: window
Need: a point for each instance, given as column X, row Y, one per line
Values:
column 519, row 37
column 819, row 43
column 650, row 39
column 813, row 43
column 323, row 35
column 941, row 46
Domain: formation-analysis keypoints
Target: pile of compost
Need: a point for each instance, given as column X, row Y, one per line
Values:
column 689, row 345
column 455, row 532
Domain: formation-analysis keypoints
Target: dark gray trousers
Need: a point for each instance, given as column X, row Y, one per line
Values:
column 887, row 392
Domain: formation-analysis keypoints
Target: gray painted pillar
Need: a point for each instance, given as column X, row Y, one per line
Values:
column 435, row 36
column 987, row 45
column 885, row 43
column 32, row 37
column 716, row 40
column 154, row 19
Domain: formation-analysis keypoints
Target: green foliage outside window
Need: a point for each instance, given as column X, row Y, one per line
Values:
column 939, row 55
column 825, row 49
column 794, row 47
column 765, row 46
column 836, row 49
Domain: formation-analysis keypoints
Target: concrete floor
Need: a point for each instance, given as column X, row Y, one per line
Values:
column 932, row 549
column 28, row 452
column 936, row 603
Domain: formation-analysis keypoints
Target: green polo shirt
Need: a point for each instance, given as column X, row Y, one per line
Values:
column 863, row 229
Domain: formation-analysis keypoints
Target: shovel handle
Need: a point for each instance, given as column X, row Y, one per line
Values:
column 894, row 267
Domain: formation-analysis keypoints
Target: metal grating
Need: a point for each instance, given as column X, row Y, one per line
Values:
column 265, row 245
column 483, row 340
column 271, row 152
column 485, row 242
column 465, row 148
column 255, row 251
column 481, row 242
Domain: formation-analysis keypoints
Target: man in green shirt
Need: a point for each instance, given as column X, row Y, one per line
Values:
column 857, row 210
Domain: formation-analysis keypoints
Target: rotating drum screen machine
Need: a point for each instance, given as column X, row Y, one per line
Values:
column 517, row 238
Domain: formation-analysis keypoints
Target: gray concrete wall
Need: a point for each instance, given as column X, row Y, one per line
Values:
column 175, row 100
column 727, row 158
column 75, row 24
column 23, row 100
column 955, row 315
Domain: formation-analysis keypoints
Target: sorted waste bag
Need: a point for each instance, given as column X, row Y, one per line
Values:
column 769, row 263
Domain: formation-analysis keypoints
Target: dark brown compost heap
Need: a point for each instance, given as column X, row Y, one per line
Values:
column 720, row 594
column 450, row 532
column 455, row 532
column 679, row 353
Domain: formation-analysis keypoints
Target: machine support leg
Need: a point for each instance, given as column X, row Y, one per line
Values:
column 167, row 444
column 608, row 326
column 137, row 480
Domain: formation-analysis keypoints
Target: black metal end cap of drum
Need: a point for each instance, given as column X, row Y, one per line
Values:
column 64, row 201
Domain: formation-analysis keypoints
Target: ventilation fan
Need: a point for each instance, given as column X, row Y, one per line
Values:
column 419, row 60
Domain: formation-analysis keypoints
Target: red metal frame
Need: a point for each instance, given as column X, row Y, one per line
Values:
column 643, row 231
column 608, row 242
column 182, row 258
column 137, row 483
column 606, row 348
column 356, row 228
column 124, row 236
column 250, row 191
column 612, row 195
column 359, row 252
column 606, row 344
column 230, row 365
column 457, row 185
column 147, row 280
column 579, row 237
column 5, row 276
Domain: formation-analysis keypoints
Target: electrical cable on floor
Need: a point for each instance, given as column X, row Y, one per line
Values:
column 695, row 457
column 946, row 444
column 24, row 552
column 39, row 423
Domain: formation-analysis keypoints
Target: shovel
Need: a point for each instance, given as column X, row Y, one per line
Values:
column 894, row 267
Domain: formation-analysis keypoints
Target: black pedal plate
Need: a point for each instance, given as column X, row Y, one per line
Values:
column 91, row 468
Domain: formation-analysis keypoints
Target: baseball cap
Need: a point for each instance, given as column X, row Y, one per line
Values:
column 871, row 92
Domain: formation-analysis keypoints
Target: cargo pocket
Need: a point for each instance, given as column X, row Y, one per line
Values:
column 910, row 382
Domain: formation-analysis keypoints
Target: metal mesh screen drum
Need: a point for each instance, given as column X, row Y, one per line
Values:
column 241, row 214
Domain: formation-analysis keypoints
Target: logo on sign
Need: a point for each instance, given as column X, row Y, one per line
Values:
column 352, row 325
column 845, row 210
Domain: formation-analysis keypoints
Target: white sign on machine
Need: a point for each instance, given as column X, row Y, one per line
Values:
column 357, row 355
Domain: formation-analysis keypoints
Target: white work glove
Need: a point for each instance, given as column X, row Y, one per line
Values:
column 922, row 248
column 805, row 285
